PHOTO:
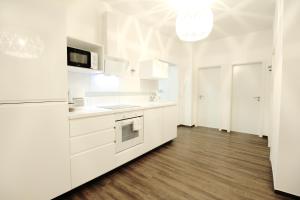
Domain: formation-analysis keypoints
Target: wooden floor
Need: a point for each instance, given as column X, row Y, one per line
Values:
column 200, row 164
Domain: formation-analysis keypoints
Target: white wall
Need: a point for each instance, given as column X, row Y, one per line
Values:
column 225, row 52
column 126, row 37
column 276, row 85
column 286, row 107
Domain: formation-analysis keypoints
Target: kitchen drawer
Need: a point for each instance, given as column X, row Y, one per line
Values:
column 92, row 124
column 92, row 140
column 91, row 164
column 127, row 115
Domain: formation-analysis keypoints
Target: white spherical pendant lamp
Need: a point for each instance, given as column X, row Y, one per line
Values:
column 194, row 26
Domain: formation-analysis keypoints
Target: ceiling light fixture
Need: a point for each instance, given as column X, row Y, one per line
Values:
column 194, row 19
column 194, row 26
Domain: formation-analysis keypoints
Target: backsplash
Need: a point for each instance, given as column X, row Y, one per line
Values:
column 103, row 89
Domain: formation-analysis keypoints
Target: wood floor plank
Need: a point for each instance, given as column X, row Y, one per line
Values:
column 201, row 164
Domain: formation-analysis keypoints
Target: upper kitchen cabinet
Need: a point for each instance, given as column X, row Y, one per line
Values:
column 115, row 66
column 94, row 51
column 32, row 51
column 116, row 40
column 154, row 69
column 128, row 38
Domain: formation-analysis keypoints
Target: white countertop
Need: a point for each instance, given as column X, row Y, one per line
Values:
column 92, row 111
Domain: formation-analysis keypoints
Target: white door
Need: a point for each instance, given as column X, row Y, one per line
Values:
column 168, row 88
column 246, row 98
column 209, row 103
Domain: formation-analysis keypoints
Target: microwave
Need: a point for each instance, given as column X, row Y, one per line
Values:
column 82, row 58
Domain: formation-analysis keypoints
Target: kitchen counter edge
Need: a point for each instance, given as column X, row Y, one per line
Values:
column 95, row 113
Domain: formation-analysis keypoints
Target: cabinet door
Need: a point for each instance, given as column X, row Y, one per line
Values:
column 160, row 69
column 169, row 123
column 153, row 128
column 83, row 143
column 154, row 70
column 84, row 126
column 115, row 66
column 92, row 163
column 34, row 151
column 163, row 70
column 32, row 51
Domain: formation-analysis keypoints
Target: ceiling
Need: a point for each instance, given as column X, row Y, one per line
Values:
column 231, row 17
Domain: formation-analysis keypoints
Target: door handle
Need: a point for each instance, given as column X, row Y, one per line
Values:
column 257, row 98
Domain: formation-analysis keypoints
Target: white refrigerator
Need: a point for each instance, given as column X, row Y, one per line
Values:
column 34, row 130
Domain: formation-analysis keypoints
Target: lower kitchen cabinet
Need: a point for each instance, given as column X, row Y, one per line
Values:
column 91, row 164
column 169, row 123
column 94, row 153
column 91, row 124
column 91, row 140
column 160, row 126
column 92, row 148
column 153, row 128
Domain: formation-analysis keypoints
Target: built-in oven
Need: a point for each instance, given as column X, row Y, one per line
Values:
column 129, row 131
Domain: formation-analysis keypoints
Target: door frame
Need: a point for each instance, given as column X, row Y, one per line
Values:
column 197, row 90
column 263, row 94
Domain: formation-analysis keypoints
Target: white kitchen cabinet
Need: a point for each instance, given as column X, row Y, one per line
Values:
column 34, row 151
column 153, row 128
column 115, row 66
column 160, row 126
column 154, row 69
column 93, row 150
column 130, row 154
column 169, row 123
column 91, row 140
column 92, row 147
column 115, row 42
column 91, row 124
column 88, row 165
column 32, row 51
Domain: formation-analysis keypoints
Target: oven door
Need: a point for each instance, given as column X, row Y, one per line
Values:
column 129, row 133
